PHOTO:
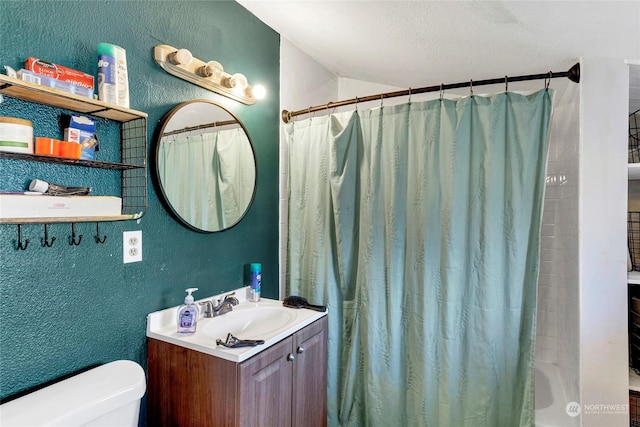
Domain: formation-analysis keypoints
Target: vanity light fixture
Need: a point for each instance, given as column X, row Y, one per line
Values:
column 209, row 75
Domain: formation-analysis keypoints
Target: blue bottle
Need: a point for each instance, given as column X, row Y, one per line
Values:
column 107, row 73
column 256, row 282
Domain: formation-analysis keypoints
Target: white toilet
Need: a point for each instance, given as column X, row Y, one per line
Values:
column 106, row 396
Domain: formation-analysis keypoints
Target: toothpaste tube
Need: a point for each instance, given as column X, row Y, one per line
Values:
column 31, row 77
column 59, row 72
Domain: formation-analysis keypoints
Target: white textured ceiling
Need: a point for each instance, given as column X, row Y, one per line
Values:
column 420, row 43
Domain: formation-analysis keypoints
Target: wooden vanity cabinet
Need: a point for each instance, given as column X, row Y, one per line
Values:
column 284, row 385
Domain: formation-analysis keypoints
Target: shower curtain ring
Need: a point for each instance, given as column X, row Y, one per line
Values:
column 506, row 84
column 471, row 87
column 356, row 103
column 409, row 95
column 547, row 81
column 441, row 91
column 381, row 100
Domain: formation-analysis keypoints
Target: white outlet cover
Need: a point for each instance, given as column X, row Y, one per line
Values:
column 131, row 246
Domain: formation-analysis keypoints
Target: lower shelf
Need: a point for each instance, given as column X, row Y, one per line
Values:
column 70, row 219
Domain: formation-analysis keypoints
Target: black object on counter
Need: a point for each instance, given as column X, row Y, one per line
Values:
column 294, row 301
column 233, row 342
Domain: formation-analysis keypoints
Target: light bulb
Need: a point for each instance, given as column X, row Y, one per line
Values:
column 180, row 57
column 259, row 91
column 226, row 80
column 238, row 82
column 212, row 69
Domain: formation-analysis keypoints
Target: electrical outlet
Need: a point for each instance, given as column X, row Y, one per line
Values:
column 131, row 246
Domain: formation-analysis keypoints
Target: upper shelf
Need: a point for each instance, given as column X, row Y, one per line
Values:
column 45, row 95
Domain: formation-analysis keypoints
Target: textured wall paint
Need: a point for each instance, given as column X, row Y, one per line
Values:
column 68, row 307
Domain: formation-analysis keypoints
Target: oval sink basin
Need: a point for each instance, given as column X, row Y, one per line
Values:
column 247, row 324
column 266, row 320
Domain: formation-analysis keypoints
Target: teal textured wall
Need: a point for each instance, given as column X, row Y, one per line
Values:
column 66, row 307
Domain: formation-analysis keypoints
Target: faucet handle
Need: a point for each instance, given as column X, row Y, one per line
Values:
column 231, row 299
column 208, row 308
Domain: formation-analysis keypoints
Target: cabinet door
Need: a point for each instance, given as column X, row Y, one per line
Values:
column 265, row 387
column 310, row 375
column 187, row 388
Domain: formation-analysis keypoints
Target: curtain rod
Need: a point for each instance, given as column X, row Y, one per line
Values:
column 573, row 74
column 198, row 127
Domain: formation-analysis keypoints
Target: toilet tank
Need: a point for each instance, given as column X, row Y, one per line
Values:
column 108, row 395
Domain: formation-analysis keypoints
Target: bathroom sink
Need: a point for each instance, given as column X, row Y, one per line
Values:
column 247, row 323
column 266, row 320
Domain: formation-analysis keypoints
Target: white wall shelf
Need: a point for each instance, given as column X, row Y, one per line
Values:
column 633, row 277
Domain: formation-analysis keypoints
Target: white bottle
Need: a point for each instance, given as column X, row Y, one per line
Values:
column 188, row 314
column 123, row 77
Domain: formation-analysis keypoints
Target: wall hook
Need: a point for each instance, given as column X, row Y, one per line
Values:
column 98, row 238
column 45, row 241
column 72, row 239
column 20, row 245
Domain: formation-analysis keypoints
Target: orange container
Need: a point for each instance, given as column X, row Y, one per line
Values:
column 47, row 146
column 70, row 150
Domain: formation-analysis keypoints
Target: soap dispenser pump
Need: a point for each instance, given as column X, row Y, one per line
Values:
column 188, row 314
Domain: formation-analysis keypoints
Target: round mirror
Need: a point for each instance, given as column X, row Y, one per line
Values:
column 205, row 166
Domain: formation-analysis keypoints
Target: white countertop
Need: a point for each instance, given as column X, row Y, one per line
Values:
column 162, row 325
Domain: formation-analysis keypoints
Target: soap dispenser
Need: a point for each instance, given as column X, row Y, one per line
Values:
column 188, row 314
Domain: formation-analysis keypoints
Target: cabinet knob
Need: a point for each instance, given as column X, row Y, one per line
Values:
column 300, row 349
column 290, row 357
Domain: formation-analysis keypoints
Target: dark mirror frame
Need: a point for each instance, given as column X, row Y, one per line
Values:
column 153, row 165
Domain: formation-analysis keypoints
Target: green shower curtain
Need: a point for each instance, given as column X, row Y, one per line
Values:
column 418, row 226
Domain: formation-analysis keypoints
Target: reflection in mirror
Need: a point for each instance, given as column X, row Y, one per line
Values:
column 205, row 166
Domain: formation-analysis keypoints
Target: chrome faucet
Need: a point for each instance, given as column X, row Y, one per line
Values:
column 222, row 307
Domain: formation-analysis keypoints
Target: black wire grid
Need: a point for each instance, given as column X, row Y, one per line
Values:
column 634, row 137
column 633, row 238
column 134, row 151
column 633, row 242
column 634, row 408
